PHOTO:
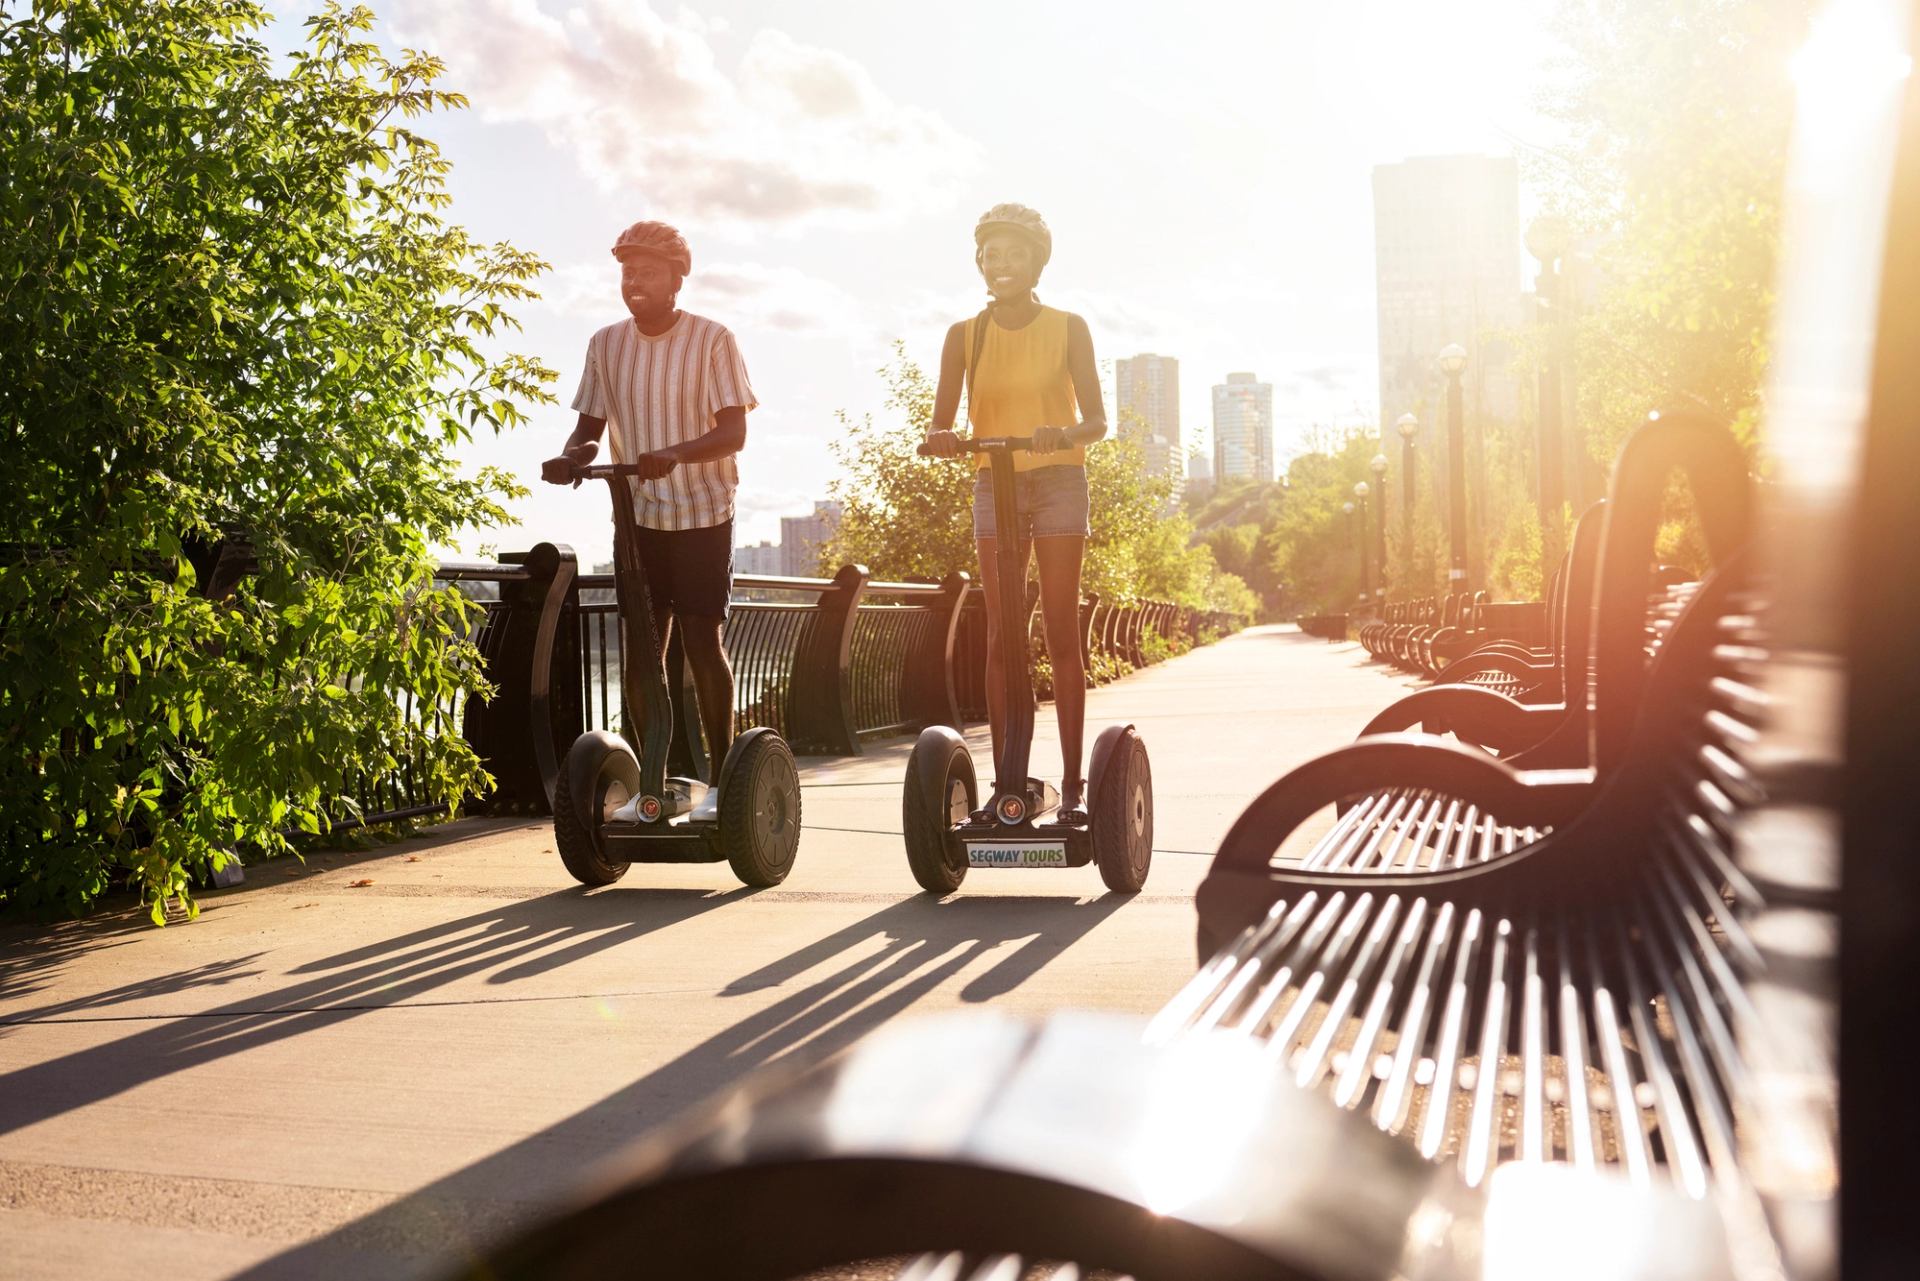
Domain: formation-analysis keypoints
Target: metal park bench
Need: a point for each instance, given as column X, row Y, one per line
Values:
column 1536, row 675
column 1397, row 636
column 1537, row 725
column 1332, row 627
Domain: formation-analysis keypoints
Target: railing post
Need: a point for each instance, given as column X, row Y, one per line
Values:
column 524, row 732
column 928, row 686
column 822, row 700
column 1089, row 606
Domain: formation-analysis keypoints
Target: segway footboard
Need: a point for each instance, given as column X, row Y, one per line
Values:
column 1072, row 1140
column 986, row 842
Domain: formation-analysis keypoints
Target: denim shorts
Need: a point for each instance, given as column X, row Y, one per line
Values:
column 1052, row 502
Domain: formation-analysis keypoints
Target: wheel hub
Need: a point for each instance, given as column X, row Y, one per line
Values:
column 615, row 795
column 957, row 808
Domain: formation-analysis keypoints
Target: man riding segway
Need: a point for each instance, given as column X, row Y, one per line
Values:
column 674, row 389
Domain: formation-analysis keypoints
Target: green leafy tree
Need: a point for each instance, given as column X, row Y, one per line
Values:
column 902, row 516
column 231, row 309
column 1314, row 542
column 1679, row 112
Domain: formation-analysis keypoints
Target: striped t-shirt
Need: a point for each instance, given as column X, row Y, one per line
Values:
column 661, row 391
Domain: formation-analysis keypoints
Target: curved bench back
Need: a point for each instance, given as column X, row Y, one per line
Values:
column 1716, row 471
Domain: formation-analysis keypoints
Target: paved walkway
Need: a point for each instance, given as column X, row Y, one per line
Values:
column 362, row 1067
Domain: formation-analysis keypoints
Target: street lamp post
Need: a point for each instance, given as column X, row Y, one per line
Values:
column 1453, row 361
column 1379, row 469
column 1360, row 530
column 1348, row 509
column 1409, row 428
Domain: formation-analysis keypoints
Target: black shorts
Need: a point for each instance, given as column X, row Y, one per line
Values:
column 689, row 571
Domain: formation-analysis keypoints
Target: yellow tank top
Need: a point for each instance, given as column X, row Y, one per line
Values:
column 1021, row 382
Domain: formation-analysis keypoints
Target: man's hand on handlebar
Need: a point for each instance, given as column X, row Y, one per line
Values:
column 655, row 465
column 941, row 444
column 559, row 470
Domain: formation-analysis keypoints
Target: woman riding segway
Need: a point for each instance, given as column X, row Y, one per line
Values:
column 1033, row 389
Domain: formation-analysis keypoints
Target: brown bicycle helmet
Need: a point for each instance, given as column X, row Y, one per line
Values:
column 1016, row 218
column 658, row 239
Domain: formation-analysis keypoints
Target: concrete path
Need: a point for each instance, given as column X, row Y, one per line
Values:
column 364, row 1067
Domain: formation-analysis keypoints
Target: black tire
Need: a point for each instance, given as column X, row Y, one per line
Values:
column 1122, row 816
column 939, row 793
column 599, row 775
column 760, row 811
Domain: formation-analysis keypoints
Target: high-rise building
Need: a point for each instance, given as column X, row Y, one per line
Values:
column 762, row 557
column 1199, row 476
column 1447, row 260
column 1242, row 429
column 1146, row 391
column 802, row 537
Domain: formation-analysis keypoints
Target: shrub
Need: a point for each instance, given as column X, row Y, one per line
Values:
column 230, row 308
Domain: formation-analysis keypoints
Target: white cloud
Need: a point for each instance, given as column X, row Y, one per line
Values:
column 798, row 134
column 751, row 294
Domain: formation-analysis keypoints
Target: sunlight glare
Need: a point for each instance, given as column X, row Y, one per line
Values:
column 1853, row 51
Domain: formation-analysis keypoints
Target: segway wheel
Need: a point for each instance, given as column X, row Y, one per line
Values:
column 599, row 775
column 941, row 791
column 760, row 809
column 1122, row 814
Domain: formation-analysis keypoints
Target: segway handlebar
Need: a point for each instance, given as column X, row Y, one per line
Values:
column 605, row 471
column 982, row 445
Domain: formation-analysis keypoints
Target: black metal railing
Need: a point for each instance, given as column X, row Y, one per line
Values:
column 831, row 663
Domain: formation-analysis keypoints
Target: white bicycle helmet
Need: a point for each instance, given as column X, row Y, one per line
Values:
column 1015, row 218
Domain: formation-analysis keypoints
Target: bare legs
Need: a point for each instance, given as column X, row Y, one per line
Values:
column 712, row 685
column 1059, row 559
column 1060, row 615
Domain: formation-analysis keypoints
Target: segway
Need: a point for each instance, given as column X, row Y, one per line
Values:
column 1022, row 826
column 612, row 808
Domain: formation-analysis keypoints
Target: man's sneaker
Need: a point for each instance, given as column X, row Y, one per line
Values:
column 708, row 810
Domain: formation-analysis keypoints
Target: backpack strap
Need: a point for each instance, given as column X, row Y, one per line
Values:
column 979, row 340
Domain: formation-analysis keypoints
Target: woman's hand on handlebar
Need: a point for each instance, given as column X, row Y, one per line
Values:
column 941, row 444
column 559, row 470
column 1047, row 440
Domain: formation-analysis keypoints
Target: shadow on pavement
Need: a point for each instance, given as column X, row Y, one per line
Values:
column 375, row 977
column 886, row 962
column 32, row 956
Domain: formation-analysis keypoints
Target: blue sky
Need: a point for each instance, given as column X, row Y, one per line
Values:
column 1204, row 167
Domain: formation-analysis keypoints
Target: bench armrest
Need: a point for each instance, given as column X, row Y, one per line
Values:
column 1473, row 664
column 1241, row 884
column 1482, row 717
column 1405, row 762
